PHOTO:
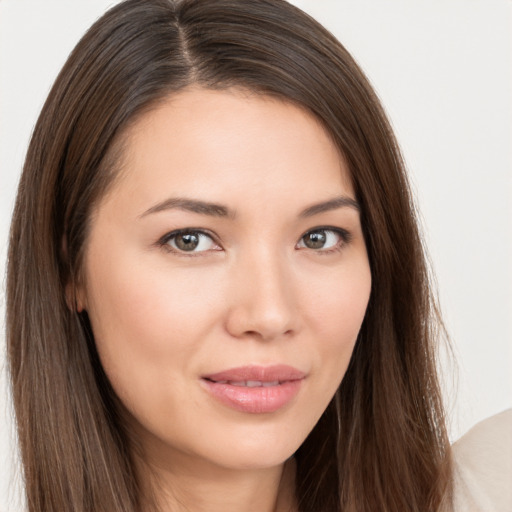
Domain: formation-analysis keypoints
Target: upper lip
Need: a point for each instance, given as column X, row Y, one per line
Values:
column 280, row 372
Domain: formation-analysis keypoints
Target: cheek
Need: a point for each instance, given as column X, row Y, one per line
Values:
column 147, row 324
column 337, row 303
column 336, row 312
column 139, row 298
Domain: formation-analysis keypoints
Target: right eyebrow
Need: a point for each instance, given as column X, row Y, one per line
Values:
column 190, row 205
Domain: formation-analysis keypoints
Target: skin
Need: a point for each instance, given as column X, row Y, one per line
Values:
column 253, row 293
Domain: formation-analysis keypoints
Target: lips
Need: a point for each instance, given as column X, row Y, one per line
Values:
column 255, row 389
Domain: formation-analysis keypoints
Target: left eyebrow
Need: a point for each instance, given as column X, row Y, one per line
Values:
column 331, row 204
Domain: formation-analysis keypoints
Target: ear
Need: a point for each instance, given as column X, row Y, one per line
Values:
column 75, row 297
column 75, row 293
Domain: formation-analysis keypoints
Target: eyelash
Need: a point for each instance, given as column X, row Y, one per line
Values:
column 345, row 238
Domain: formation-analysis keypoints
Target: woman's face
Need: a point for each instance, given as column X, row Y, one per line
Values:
column 226, row 278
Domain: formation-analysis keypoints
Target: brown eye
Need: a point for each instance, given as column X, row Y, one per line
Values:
column 190, row 241
column 323, row 239
column 186, row 241
column 315, row 239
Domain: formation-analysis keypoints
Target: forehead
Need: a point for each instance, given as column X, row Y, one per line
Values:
column 229, row 143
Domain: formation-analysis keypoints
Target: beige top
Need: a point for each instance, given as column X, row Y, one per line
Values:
column 483, row 466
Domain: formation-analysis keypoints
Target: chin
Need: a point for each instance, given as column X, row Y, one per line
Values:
column 258, row 449
column 244, row 459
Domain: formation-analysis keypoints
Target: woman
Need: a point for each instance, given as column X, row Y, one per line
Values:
column 215, row 277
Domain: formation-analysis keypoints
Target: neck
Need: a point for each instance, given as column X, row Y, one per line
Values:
column 207, row 488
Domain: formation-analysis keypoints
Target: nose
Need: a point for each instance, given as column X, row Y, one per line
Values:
column 263, row 302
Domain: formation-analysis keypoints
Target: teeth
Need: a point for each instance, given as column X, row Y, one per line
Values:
column 253, row 384
column 249, row 383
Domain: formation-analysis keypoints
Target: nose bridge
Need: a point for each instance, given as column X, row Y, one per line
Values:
column 264, row 303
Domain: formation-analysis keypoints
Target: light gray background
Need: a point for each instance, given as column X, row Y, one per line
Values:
column 443, row 69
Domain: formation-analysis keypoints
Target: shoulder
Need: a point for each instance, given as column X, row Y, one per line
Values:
column 483, row 466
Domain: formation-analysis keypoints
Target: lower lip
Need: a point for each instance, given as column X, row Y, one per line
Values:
column 255, row 400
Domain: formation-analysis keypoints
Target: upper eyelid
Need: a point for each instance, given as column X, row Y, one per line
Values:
column 341, row 231
column 168, row 236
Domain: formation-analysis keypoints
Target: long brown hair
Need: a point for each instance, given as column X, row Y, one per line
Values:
column 382, row 443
